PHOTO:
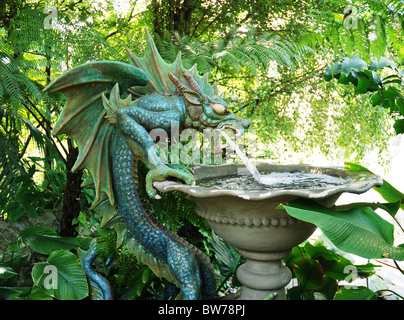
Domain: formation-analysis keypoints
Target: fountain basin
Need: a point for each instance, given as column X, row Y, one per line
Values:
column 249, row 219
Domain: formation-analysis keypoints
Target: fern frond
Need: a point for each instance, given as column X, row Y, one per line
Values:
column 361, row 38
column 379, row 45
column 11, row 164
column 106, row 243
column 251, row 51
column 40, row 139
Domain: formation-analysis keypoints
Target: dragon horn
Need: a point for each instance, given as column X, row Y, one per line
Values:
column 194, row 85
column 177, row 82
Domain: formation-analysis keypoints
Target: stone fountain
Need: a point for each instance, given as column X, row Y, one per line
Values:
column 250, row 220
column 112, row 131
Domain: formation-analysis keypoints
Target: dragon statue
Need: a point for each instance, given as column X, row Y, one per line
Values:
column 110, row 109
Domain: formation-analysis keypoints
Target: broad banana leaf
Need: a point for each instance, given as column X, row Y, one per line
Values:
column 360, row 231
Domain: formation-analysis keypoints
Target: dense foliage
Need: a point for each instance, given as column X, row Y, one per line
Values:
column 320, row 78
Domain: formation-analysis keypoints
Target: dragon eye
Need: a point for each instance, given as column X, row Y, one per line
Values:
column 219, row 108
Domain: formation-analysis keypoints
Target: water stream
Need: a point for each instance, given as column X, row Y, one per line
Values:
column 273, row 180
column 253, row 170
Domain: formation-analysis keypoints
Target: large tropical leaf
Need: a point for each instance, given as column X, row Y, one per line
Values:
column 45, row 240
column 61, row 276
column 357, row 293
column 309, row 272
column 387, row 191
column 360, row 231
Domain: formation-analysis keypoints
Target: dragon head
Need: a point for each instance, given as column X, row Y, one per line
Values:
column 205, row 111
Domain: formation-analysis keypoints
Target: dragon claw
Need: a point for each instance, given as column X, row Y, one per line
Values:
column 161, row 173
column 181, row 168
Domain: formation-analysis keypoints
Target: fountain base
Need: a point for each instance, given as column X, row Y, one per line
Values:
column 263, row 234
column 262, row 274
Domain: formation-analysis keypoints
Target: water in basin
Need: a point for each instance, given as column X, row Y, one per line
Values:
column 274, row 181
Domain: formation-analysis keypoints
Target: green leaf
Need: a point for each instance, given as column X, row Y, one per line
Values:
column 391, row 79
column 6, row 272
column 330, row 287
column 139, row 289
column 84, row 243
column 355, row 167
column 392, row 93
column 390, row 207
column 61, row 276
column 31, row 210
column 14, row 260
column 336, row 269
column 368, row 81
column 351, row 77
column 309, row 273
column 376, row 99
column 358, row 230
column 389, row 98
column 379, row 45
column 400, row 103
column 38, row 293
column 399, row 126
column 298, row 253
column 228, row 258
column 355, row 293
column 348, row 69
column 366, row 270
column 382, row 63
column 15, row 211
column 145, row 275
column 45, row 240
column 353, row 64
column 299, row 293
column 391, row 194
column 387, row 191
column 7, row 293
column 321, row 251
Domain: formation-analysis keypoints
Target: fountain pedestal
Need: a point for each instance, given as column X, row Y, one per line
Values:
column 263, row 273
column 263, row 234
column 253, row 222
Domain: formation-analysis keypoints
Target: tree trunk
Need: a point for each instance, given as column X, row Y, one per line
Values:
column 173, row 15
column 71, row 198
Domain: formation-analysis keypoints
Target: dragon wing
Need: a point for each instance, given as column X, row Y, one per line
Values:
column 83, row 116
column 157, row 71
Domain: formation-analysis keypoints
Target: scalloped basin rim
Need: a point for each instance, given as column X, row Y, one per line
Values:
column 358, row 182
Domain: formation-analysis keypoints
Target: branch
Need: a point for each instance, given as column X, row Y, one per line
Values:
column 285, row 85
column 24, row 149
column 36, row 53
column 43, row 127
column 197, row 25
column 71, row 6
column 243, row 77
column 111, row 34
column 216, row 18
column 49, row 124
column 130, row 17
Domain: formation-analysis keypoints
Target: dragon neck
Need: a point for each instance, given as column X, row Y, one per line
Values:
column 141, row 224
column 135, row 215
